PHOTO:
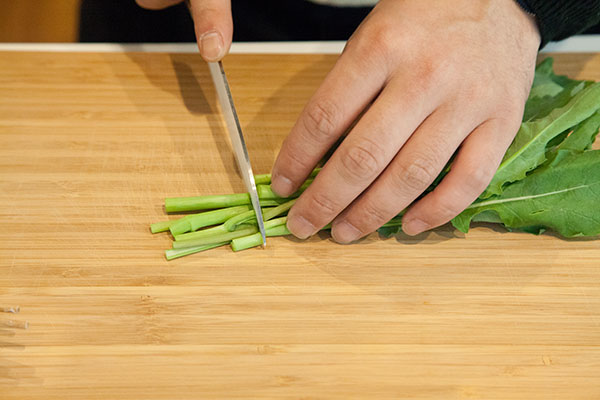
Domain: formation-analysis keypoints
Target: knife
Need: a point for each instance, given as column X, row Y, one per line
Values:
column 237, row 140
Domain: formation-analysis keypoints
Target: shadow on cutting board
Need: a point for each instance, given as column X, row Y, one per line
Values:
column 199, row 101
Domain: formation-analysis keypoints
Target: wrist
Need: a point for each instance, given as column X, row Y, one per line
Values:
column 529, row 21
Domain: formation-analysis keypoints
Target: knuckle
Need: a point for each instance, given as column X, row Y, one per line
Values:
column 361, row 161
column 373, row 215
column 416, row 174
column 477, row 179
column 320, row 121
column 372, row 45
column 379, row 37
column 323, row 204
column 295, row 160
column 441, row 211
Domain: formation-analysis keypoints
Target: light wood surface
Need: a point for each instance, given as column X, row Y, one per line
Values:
column 90, row 144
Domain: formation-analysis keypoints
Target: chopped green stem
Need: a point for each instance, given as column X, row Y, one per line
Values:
column 265, row 179
column 161, row 226
column 246, row 242
column 178, row 204
column 204, row 233
column 272, row 202
column 265, row 192
column 274, row 227
column 246, row 217
column 262, row 179
column 232, row 223
column 212, row 202
column 275, row 222
column 217, row 238
column 176, row 253
column 208, row 218
column 280, row 230
column 280, row 209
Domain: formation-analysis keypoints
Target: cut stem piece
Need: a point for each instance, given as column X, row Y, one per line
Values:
column 171, row 254
column 265, row 179
column 204, row 233
column 280, row 209
column 208, row 218
column 223, row 237
column 161, row 226
column 244, row 218
column 262, row 179
column 255, row 239
column 265, row 192
column 178, row 204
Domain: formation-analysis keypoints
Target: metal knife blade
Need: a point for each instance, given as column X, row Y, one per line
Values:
column 237, row 139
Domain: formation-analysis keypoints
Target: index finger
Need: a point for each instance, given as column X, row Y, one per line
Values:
column 344, row 93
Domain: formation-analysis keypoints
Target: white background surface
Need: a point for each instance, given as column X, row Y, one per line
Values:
column 587, row 43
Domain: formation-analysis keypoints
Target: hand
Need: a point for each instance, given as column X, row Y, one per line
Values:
column 212, row 22
column 432, row 76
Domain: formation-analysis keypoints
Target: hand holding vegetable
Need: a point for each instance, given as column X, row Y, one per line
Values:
column 548, row 179
column 212, row 22
column 432, row 76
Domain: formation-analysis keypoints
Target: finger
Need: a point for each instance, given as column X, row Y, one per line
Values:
column 344, row 94
column 471, row 172
column 157, row 4
column 214, row 27
column 362, row 156
column 411, row 171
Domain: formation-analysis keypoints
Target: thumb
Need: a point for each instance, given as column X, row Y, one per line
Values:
column 214, row 27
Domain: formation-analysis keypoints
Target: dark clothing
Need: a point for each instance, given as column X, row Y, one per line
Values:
column 287, row 20
column 123, row 21
column 558, row 20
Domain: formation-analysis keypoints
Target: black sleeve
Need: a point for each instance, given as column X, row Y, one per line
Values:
column 559, row 19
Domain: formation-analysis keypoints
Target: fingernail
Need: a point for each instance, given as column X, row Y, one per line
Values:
column 345, row 232
column 300, row 227
column 211, row 46
column 414, row 227
column 282, row 185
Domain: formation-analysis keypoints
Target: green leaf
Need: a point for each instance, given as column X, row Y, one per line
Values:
column 583, row 136
column 546, row 82
column 529, row 147
column 563, row 196
column 389, row 231
column 539, row 107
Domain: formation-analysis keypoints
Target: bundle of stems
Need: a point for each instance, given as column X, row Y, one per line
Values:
column 228, row 219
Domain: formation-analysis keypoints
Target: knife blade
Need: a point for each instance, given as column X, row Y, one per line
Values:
column 237, row 140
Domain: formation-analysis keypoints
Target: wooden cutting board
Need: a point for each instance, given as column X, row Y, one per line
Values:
column 91, row 144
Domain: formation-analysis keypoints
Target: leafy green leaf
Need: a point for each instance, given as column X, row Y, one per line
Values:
column 583, row 136
column 563, row 195
column 529, row 147
column 389, row 231
column 546, row 82
column 539, row 107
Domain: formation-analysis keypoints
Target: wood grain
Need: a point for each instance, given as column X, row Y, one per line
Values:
column 90, row 144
